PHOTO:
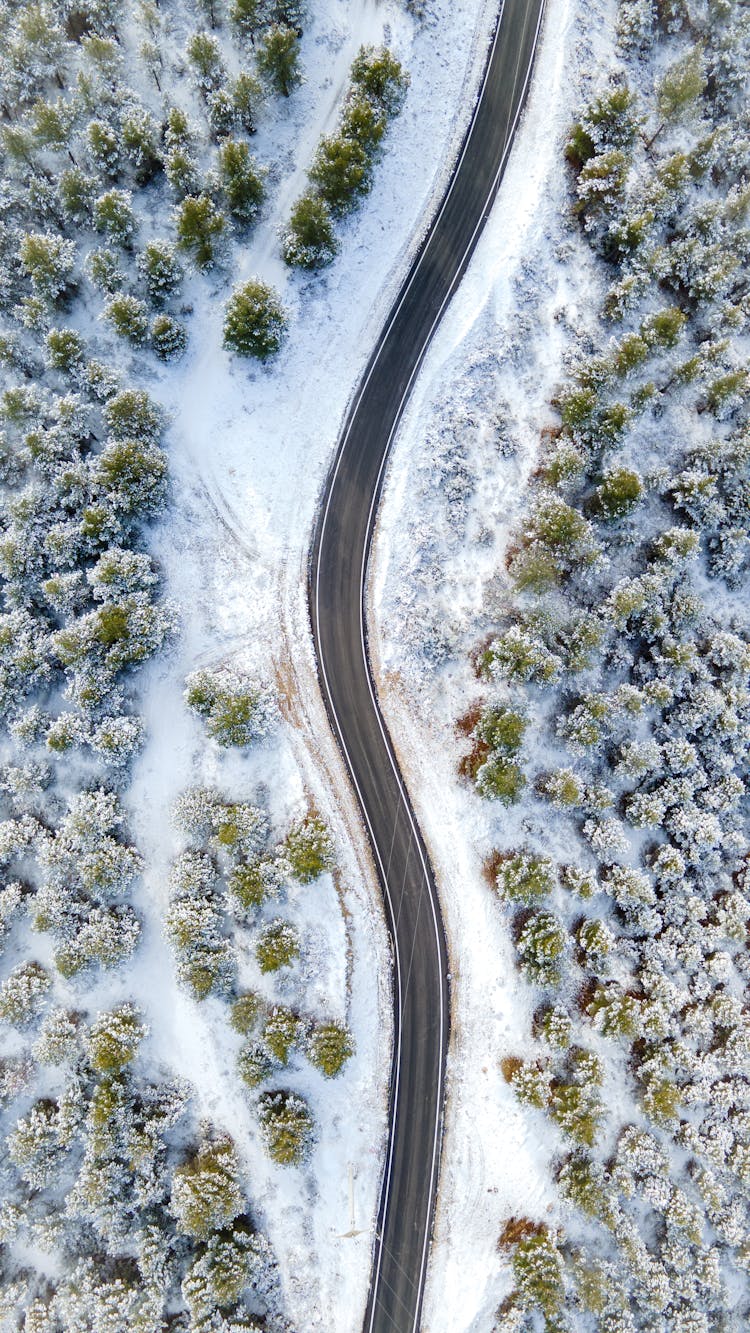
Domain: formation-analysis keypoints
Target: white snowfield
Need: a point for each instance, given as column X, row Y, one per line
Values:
column 465, row 448
column 249, row 449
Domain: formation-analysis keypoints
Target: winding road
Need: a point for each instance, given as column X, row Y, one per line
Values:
column 337, row 585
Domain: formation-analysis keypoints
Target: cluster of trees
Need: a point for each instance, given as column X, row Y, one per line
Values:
column 89, row 162
column 230, row 877
column 115, row 1157
column 628, row 682
column 80, row 599
column 341, row 173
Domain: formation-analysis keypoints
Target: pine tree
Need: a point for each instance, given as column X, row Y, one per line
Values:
column 199, row 228
column 278, row 58
column 341, row 172
column 255, row 322
column 309, row 241
column 242, row 181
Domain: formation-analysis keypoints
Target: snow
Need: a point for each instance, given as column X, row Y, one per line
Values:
column 466, row 445
column 249, row 448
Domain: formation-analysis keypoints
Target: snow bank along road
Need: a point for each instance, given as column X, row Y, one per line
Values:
column 338, row 570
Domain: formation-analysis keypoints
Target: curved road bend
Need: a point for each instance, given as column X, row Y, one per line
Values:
column 337, row 593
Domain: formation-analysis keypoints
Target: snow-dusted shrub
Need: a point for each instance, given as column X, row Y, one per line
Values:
column 309, row 849
column 23, row 993
column 114, row 1038
column 596, row 941
column 286, row 1125
column 499, row 779
column 34, row 1146
column 329, row 1046
column 253, row 1064
column 168, row 337
column 246, row 1012
column 233, row 1261
column 277, row 946
column 562, row 788
column 98, row 936
column 281, row 1032
column 538, row 1273
column 48, row 260
column 614, row 1013
column 161, row 270
column 58, row 1038
column 531, row 1084
column 86, row 852
column 518, row 656
column 309, row 241
column 541, row 945
column 251, row 883
column 523, row 877
column 236, row 709
column 206, row 1194
column 204, row 958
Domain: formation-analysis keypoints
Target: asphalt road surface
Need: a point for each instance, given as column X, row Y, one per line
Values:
column 337, row 582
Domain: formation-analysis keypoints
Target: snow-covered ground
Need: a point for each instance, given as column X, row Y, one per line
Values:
column 465, row 448
column 249, row 448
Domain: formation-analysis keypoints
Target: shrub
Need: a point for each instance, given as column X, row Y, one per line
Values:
column 615, row 1013
column 277, row 946
column 541, row 945
column 253, row 1065
column 329, row 1047
column 502, row 729
column 498, row 779
column 255, row 321
column 241, row 180
column 618, row 494
column 523, row 877
column 114, row 1039
column 248, row 884
column 538, row 1273
column 206, row 1195
column 562, row 788
column 246, row 1012
column 49, row 261
column 131, row 415
column 280, row 1032
column 363, row 121
column 161, row 270
column 113, row 215
column 577, row 1111
column 23, row 993
column 286, row 1125
column 65, row 349
column 235, row 709
column 309, row 849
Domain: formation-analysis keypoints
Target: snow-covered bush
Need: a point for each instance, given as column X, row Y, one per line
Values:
column 206, row 1194
column 23, row 994
column 236, row 709
column 286, row 1125
column 277, row 946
